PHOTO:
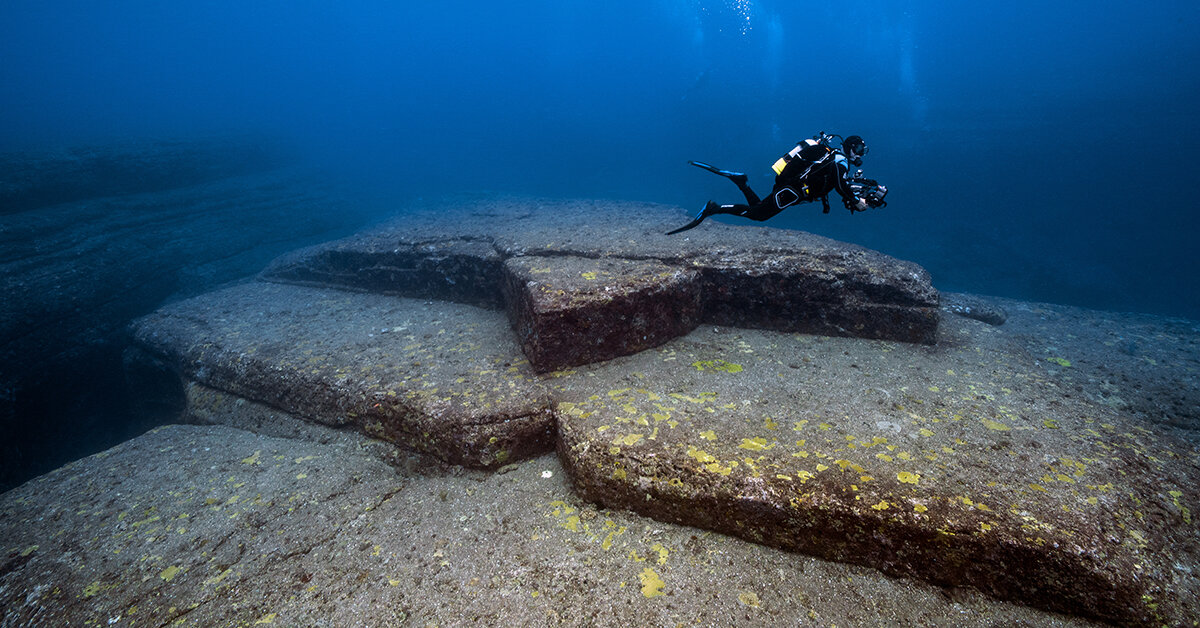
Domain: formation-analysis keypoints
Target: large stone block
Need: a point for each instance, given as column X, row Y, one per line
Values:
column 215, row 526
column 742, row 276
column 442, row 378
column 965, row 464
column 569, row 311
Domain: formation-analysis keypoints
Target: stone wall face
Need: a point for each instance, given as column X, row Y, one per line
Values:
column 585, row 282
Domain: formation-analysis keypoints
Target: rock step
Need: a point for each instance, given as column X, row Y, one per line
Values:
column 441, row 378
column 960, row 465
column 565, row 269
column 216, row 526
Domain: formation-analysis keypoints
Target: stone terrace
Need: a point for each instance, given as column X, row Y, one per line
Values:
column 987, row 458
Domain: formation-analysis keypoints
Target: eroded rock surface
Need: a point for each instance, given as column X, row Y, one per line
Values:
column 569, row 311
column 216, row 526
column 439, row 377
column 742, row 276
column 1013, row 459
column 964, row 463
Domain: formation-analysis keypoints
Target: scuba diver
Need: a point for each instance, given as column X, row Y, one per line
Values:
column 810, row 171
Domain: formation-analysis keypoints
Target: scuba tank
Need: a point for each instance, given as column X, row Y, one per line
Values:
column 820, row 139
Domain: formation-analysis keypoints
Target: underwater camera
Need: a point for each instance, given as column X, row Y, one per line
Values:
column 869, row 190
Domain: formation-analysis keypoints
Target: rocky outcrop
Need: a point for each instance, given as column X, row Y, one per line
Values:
column 217, row 526
column 587, row 281
column 994, row 458
column 437, row 377
column 569, row 311
column 961, row 465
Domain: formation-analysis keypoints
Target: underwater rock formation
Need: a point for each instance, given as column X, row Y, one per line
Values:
column 570, row 266
column 438, row 377
column 1003, row 458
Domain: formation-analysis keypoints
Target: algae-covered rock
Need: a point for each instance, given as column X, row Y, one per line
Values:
column 963, row 464
column 216, row 526
column 439, row 377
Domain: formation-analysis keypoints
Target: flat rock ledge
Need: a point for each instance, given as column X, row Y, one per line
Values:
column 216, row 526
column 585, row 281
column 969, row 463
column 1050, row 461
column 441, row 378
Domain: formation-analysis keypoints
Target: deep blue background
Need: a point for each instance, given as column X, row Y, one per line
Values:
column 1041, row 152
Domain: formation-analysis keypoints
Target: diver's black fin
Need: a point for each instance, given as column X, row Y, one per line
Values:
column 729, row 174
column 704, row 213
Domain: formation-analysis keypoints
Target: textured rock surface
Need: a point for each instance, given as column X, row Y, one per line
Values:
column 976, row 461
column 741, row 276
column 439, row 377
column 215, row 526
column 569, row 311
column 972, row 306
column 1051, row 461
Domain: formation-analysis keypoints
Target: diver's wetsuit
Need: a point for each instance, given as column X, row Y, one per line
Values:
column 812, row 175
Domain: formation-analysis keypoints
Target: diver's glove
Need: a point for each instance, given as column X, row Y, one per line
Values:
column 859, row 205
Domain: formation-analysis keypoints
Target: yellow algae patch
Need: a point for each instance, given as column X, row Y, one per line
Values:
column 925, row 432
column 995, row 425
column 1175, row 495
column 662, row 553
column 219, row 577
column 628, row 439
column 882, row 505
column 717, row 365
column 704, row 397
column 252, row 458
column 269, row 618
column 920, row 508
column 908, row 478
column 749, row 598
column 799, row 425
column 1059, row 361
column 718, row 468
column 846, row 464
column 756, row 444
column 590, row 275
column 1050, row 423
column 169, row 573
column 28, row 550
column 92, row 589
column 708, row 435
column 821, row 467
column 804, row 476
column 884, row 457
column 700, row 455
column 652, row 585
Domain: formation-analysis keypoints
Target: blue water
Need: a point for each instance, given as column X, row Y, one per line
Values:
column 1037, row 150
